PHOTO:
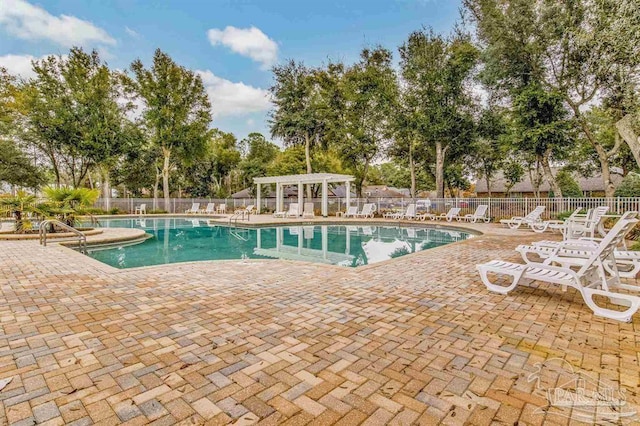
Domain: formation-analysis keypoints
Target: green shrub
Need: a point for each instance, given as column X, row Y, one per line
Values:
column 116, row 210
column 629, row 187
column 91, row 211
column 568, row 185
column 158, row 211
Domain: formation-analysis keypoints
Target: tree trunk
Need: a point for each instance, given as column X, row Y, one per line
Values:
column 603, row 154
column 156, row 184
column 486, row 179
column 544, row 160
column 626, row 130
column 609, row 188
column 165, row 178
column 106, row 186
column 440, row 151
column 307, row 157
column 412, row 169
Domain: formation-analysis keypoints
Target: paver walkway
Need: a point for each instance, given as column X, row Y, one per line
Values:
column 415, row 341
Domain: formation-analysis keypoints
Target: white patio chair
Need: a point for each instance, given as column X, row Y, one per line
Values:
column 294, row 210
column 222, row 209
column 352, row 211
column 587, row 279
column 453, row 213
column 368, row 210
column 307, row 211
column 479, row 215
column 195, row 207
column 141, row 209
column 532, row 218
column 211, row 208
column 410, row 213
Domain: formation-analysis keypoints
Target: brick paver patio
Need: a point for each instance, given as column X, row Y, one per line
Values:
column 417, row 340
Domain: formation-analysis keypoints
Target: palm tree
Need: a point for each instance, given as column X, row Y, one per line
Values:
column 66, row 203
column 18, row 205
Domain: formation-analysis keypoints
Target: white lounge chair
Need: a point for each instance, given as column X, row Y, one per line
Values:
column 556, row 225
column 627, row 262
column 294, row 210
column 222, row 209
column 532, row 218
column 409, row 213
column 283, row 213
column 585, row 227
column 352, row 211
column 368, row 210
column 141, row 209
column 587, row 279
column 479, row 215
column 307, row 212
column 453, row 213
column 195, row 208
column 392, row 215
column 211, row 208
column 425, row 216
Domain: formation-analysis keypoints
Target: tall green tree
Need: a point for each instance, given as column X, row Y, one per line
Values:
column 578, row 50
column 73, row 116
column 370, row 91
column 15, row 167
column 176, row 112
column 296, row 117
column 436, row 71
column 259, row 153
column 542, row 130
column 489, row 148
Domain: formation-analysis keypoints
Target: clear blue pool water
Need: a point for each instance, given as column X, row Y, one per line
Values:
column 184, row 240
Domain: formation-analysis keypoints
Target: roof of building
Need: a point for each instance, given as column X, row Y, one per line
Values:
column 592, row 183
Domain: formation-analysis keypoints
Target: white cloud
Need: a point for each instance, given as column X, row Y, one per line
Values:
column 131, row 32
column 249, row 42
column 26, row 21
column 229, row 98
column 19, row 65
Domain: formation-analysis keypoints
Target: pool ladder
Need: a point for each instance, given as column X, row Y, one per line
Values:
column 239, row 215
column 43, row 229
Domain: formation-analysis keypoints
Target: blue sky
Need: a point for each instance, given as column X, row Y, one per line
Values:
column 232, row 43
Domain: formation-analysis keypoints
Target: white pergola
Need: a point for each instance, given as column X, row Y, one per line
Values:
column 301, row 180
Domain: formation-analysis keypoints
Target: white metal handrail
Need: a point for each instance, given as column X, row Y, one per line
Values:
column 240, row 214
column 43, row 229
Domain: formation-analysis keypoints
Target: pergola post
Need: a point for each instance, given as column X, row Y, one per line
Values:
column 300, row 198
column 278, row 191
column 258, row 199
column 325, row 198
column 347, row 187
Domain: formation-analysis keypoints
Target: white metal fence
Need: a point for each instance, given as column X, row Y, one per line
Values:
column 498, row 207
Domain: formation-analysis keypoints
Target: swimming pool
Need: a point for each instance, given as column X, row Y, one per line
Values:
column 184, row 240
